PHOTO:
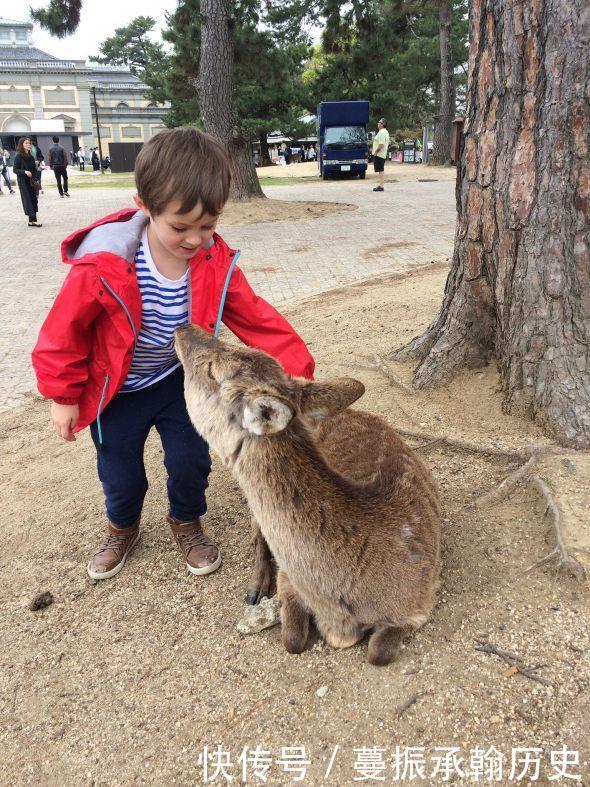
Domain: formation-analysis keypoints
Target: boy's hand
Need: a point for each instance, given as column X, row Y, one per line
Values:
column 65, row 418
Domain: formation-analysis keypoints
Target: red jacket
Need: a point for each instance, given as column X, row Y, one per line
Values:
column 85, row 345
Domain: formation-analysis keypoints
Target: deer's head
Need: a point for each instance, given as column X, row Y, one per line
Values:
column 233, row 392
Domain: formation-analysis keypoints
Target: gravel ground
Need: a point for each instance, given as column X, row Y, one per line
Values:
column 125, row 682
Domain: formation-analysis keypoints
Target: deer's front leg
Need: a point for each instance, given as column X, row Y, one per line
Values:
column 294, row 616
column 264, row 571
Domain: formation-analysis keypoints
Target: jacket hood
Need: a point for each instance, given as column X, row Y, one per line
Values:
column 118, row 234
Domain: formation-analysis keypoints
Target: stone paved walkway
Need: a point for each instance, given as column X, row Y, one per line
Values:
column 409, row 225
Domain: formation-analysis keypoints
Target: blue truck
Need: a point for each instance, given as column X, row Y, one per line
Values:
column 342, row 138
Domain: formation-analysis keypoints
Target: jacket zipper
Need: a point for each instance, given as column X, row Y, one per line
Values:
column 122, row 305
column 107, row 286
column 102, row 398
column 230, row 270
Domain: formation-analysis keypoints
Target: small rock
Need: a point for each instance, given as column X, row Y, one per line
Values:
column 321, row 692
column 259, row 616
column 569, row 465
column 41, row 601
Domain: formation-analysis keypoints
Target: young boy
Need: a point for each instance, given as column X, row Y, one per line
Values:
column 105, row 354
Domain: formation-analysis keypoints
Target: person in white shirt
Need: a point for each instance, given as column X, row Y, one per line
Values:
column 380, row 145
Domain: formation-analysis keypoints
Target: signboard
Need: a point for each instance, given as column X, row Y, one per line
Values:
column 410, row 153
column 53, row 126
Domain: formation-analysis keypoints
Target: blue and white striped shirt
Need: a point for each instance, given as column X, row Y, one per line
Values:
column 164, row 307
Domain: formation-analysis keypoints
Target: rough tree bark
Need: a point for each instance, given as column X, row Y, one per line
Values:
column 214, row 86
column 441, row 146
column 519, row 286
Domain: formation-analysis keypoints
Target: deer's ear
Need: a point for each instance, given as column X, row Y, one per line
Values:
column 322, row 400
column 266, row 415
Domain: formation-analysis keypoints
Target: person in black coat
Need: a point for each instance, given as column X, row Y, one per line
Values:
column 25, row 169
column 40, row 159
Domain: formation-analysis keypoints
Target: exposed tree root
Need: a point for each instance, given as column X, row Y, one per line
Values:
column 560, row 554
column 378, row 365
column 531, row 454
column 509, row 483
column 416, row 349
column 463, row 445
column 528, row 454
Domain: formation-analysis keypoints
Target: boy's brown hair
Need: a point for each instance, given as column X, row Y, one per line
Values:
column 183, row 164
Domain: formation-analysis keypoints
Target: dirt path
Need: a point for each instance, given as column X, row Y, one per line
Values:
column 125, row 681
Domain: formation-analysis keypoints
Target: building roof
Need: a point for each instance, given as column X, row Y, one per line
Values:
column 120, row 75
column 24, row 53
column 14, row 23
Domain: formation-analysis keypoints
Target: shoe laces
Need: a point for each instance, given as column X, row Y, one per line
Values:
column 112, row 541
column 196, row 538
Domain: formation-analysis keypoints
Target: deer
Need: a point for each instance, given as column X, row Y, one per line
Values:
column 347, row 510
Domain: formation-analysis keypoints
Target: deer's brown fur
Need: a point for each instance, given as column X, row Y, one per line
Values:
column 351, row 515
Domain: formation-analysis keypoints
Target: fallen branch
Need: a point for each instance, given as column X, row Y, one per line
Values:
column 560, row 553
column 430, row 444
column 513, row 661
column 412, row 700
column 508, row 484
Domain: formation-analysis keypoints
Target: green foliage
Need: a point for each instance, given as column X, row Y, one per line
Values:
column 269, row 93
column 61, row 17
column 178, row 85
column 131, row 46
column 386, row 51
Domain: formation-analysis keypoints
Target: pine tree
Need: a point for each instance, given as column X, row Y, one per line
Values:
column 518, row 285
column 131, row 46
column 387, row 51
column 268, row 91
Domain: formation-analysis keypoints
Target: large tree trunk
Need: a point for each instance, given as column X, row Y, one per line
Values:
column 519, row 287
column 441, row 146
column 214, row 85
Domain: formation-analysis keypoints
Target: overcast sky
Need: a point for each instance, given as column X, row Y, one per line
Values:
column 98, row 21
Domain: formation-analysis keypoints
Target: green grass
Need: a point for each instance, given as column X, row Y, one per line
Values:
column 125, row 180
column 288, row 181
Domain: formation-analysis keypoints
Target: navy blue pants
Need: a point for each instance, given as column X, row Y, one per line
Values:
column 125, row 424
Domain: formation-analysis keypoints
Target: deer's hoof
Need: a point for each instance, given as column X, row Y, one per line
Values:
column 294, row 643
column 254, row 596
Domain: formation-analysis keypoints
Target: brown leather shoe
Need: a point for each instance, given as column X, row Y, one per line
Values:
column 112, row 553
column 200, row 552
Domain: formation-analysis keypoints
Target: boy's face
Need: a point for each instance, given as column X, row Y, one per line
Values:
column 180, row 234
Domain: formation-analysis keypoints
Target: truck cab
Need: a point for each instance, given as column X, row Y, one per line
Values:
column 342, row 138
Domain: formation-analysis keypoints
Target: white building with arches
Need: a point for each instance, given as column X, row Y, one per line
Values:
column 41, row 95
